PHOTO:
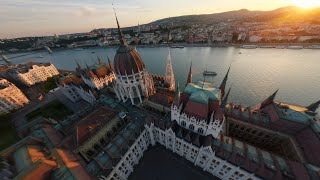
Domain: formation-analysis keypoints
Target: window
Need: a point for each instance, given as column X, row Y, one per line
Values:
column 183, row 123
column 191, row 127
column 200, row 130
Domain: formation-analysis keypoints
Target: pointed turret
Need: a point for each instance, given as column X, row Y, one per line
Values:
column 224, row 82
column 269, row 100
column 78, row 65
column 225, row 100
column 99, row 60
column 177, row 90
column 110, row 64
column 88, row 68
column 190, row 75
column 314, row 106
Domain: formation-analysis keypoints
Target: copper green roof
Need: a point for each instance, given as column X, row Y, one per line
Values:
column 203, row 91
column 293, row 113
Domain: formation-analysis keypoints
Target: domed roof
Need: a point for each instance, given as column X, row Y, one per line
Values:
column 127, row 61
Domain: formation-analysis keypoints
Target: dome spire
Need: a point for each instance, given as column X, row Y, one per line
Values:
column 121, row 36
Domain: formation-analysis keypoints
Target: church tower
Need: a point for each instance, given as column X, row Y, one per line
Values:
column 133, row 81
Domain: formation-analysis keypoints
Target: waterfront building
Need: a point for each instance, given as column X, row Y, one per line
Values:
column 74, row 88
column 97, row 76
column 32, row 73
column 11, row 97
column 133, row 81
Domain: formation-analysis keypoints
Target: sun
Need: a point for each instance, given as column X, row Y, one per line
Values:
column 306, row 3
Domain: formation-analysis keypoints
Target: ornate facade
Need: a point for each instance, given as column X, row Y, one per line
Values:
column 75, row 89
column 11, row 97
column 98, row 75
column 133, row 81
column 32, row 73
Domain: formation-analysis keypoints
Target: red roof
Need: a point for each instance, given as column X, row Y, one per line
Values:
column 127, row 61
column 310, row 144
column 196, row 109
column 91, row 123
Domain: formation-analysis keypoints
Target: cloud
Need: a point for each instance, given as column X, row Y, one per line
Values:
column 86, row 11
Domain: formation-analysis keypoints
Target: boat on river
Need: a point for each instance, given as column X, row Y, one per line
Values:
column 249, row 46
column 209, row 73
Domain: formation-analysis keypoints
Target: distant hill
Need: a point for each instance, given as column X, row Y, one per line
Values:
column 285, row 14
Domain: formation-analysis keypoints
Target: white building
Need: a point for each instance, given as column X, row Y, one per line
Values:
column 133, row 81
column 32, row 73
column 11, row 97
column 98, row 75
column 75, row 89
column 202, row 151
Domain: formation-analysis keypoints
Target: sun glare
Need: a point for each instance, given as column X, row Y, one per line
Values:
column 306, row 3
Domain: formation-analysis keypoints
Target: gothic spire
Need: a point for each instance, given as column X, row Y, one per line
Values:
column 190, row 75
column 225, row 100
column 169, row 77
column 314, row 106
column 269, row 100
column 224, row 82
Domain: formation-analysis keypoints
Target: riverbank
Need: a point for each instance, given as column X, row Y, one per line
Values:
column 181, row 45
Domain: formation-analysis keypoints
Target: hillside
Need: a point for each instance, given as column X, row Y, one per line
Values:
column 285, row 14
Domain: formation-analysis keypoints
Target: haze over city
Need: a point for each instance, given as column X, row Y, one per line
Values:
column 21, row 18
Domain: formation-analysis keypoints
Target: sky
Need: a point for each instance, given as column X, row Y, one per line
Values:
column 19, row 18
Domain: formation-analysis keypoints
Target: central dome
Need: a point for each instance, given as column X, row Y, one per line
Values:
column 127, row 61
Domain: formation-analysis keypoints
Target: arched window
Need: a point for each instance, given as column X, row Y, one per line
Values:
column 191, row 127
column 200, row 130
column 183, row 123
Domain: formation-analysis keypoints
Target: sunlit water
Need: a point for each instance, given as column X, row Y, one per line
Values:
column 255, row 73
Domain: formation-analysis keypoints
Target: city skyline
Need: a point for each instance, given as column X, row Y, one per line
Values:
column 36, row 18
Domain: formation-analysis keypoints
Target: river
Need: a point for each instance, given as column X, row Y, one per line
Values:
column 254, row 75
